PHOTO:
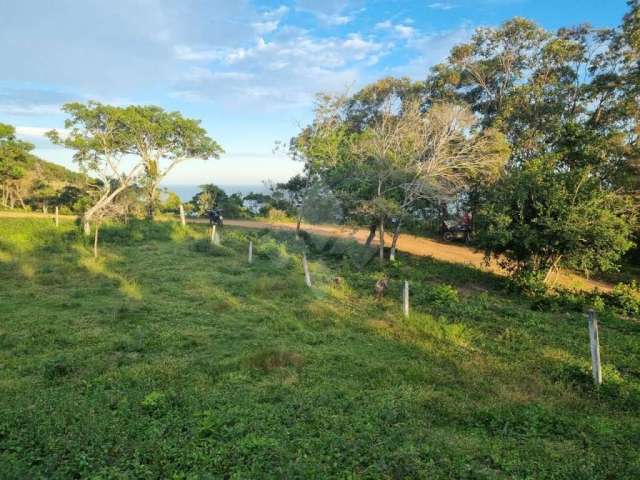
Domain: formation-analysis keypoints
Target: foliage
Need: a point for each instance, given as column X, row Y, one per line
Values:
column 162, row 140
column 14, row 157
column 171, row 203
column 627, row 298
column 543, row 215
column 103, row 135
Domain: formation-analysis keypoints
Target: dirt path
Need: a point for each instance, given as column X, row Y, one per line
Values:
column 426, row 247
column 421, row 246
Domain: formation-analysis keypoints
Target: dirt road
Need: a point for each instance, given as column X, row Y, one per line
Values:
column 421, row 246
column 426, row 247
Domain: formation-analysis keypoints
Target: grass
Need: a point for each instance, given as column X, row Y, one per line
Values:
column 170, row 358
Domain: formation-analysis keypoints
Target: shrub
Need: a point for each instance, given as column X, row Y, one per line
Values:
column 438, row 295
column 277, row 215
column 626, row 296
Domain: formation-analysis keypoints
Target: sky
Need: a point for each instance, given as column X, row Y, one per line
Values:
column 248, row 69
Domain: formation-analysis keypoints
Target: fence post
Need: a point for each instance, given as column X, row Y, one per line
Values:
column 305, row 266
column 594, row 343
column 250, row 251
column 405, row 298
column 182, row 219
column 213, row 234
column 57, row 216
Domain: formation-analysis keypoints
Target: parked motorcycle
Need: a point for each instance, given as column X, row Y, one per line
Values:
column 215, row 218
column 452, row 230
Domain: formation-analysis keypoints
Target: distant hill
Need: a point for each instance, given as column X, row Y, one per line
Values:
column 54, row 174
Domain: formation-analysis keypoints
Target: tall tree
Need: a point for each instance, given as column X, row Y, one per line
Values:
column 162, row 140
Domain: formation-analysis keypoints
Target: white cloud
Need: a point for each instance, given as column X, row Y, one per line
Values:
column 441, row 6
column 29, row 109
column 430, row 49
column 198, row 74
column 31, row 132
column 405, row 31
column 401, row 30
column 265, row 27
column 185, row 52
column 271, row 20
column 284, row 72
column 334, row 19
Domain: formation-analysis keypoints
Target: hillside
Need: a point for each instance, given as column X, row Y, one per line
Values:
column 169, row 358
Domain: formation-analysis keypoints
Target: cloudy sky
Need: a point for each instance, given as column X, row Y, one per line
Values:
column 247, row 68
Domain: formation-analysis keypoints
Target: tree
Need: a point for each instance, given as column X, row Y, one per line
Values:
column 171, row 203
column 543, row 216
column 14, row 158
column 209, row 197
column 130, row 144
column 162, row 140
column 400, row 156
column 95, row 133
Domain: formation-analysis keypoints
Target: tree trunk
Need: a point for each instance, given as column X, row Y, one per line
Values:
column 372, row 233
column 298, row 226
column 151, row 207
column 381, row 233
column 95, row 241
column 553, row 268
column 394, row 241
column 104, row 200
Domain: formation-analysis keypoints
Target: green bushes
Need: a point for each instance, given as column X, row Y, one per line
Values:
column 438, row 295
column 626, row 297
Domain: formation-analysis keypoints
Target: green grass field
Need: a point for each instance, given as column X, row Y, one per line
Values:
column 169, row 358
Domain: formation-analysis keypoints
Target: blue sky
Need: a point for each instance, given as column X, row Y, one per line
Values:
column 247, row 69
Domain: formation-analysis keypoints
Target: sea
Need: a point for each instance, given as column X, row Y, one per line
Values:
column 187, row 192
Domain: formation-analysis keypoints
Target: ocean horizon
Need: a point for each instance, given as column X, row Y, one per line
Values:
column 187, row 192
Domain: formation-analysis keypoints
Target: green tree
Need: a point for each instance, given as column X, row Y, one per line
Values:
column 162, row 140
column 543, row 216
column 95, row 133
column 171, row 203
column 14, row 159
column 209, row 197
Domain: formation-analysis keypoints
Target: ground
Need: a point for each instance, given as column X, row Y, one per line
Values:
column 167, row 357
column 412, row 244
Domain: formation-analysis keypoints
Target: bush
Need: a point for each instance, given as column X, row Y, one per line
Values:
column 626, row 297
column 438, row 295
column 277, row 215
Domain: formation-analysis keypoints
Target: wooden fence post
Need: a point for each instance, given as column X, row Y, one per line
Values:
column 405, row 298
column 182, row 219
column 213, row 234
column 594, row 343
column 250, row 251
column 57, row 216
column 305, row 266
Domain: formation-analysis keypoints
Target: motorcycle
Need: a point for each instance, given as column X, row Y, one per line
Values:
column 216, row 218
column 452, row 230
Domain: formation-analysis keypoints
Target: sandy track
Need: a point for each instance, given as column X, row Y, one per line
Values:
column 414, row 245
column 425, row 247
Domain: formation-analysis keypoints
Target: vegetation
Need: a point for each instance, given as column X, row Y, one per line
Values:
column 535, row 131
column 103, row 136
column 169, row 357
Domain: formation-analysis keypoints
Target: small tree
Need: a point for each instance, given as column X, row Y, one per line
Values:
column 171, row 203
column 543, row 216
